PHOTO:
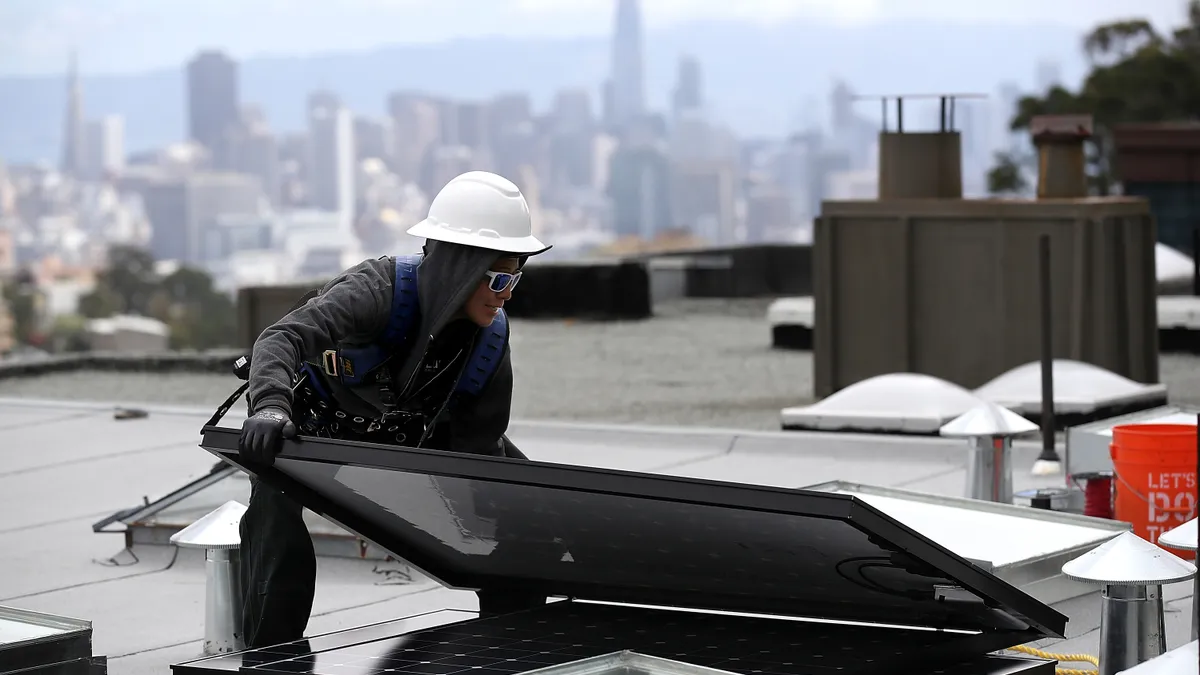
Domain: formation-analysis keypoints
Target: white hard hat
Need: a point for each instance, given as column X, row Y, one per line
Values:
column 479, row 208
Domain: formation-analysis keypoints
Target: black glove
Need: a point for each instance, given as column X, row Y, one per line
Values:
column 263, row 434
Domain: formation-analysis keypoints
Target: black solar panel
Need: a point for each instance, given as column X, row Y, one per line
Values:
column 564, row 632
column 480, row 522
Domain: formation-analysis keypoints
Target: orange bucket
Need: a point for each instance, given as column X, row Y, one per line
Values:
column 1154, row 467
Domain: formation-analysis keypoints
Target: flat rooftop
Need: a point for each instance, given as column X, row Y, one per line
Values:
column 67, row 462
column 706, row 362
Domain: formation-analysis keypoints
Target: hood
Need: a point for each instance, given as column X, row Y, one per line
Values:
column 447, row 275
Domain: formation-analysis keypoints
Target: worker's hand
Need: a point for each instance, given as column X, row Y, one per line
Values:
column 263, row 434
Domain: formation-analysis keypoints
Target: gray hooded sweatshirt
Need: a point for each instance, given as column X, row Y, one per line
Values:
column 354, row 308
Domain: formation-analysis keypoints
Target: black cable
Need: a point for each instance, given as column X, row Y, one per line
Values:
column 865, row 582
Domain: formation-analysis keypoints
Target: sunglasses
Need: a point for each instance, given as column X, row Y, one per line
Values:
column 499, row 281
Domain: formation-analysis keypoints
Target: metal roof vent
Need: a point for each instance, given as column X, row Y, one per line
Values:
column 1184, row 538
column 216, row 531
column 1132, row 572
column 988, row 419
column 218, row 534
column 990, row 429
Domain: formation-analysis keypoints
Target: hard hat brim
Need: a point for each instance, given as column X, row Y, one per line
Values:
column 428, row 229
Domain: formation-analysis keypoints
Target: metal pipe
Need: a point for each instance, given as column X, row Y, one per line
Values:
column 989, row 469
column 1131, row 572
column 217, row 533
column 1132, row 627
column 1186, row 537
column 1196, row 607
column 222, row 602
column 1048, row 453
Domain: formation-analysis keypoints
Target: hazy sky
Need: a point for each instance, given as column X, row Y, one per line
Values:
column 132, row 35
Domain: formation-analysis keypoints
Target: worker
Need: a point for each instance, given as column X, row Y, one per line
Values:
column 411, row 352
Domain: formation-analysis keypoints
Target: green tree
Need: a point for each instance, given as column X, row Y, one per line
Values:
column 101, row 302
column 125, row 286
column 1137, row 75
column 69, row 334
column 199, row 316
column 1007, row 176
column 24, row 301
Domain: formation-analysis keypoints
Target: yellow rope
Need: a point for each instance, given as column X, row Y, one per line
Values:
column 1088, row 658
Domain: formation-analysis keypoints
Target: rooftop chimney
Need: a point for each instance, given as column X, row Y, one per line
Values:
column 1061, row 169
column 924, row 164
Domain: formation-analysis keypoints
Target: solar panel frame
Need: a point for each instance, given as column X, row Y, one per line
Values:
column 1004, row 607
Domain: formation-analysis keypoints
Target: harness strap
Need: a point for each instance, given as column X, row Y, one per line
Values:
column 241, row 369
column 350, row 365
column 224, row 407
column 485, row 358
column 405, row 307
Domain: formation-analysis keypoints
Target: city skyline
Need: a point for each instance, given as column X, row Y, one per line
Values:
column 250, row 201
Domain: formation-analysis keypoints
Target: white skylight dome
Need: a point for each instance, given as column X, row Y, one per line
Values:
column 1078, row 388
column 897, row 402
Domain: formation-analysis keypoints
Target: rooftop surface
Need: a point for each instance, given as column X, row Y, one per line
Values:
column 706, row 362
column 67, row 463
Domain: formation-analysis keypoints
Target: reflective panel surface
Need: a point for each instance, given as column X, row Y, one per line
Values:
column 474, row 522
column 564, row 632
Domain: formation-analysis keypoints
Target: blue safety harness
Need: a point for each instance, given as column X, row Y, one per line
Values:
column 355, row 365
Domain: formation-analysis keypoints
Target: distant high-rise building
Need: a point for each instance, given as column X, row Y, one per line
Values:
column 1002, row 111
column 72, row 145
column 1049, row 75
column 257, row 154
column 103, row 145
column 442, row 164
column 214, row 111
column 572, row 160
column 508, row 114
column 639, row 187
column 572, row 111
column 331, row 166
column 183, row 210
column 768, row 211
column 628, row 89
column 373, row 138
column 703, row 198
column 448, row 121
column 689, row 93
column 416, row 127
column 841, row 107
column 472, row 125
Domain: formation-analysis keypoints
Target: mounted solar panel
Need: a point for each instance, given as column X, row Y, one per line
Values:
column 668, row 567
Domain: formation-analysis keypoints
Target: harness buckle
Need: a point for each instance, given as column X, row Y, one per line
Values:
column 329, row 362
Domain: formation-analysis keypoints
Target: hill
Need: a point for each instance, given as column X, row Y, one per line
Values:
column 757, row 77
